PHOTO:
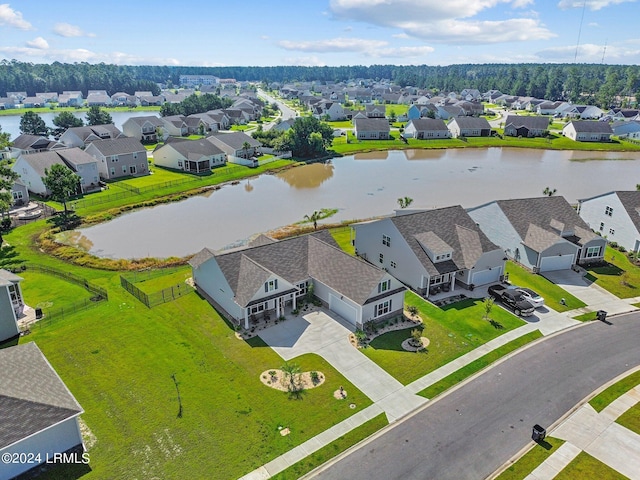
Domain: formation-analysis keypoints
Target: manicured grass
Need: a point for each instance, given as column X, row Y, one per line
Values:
column 477, row 365
column 631, row 419
column 453, row 331
column 169, row 279
column 42, row 290
column 332, row 449
column 530, row 460
column 398, row 109
column 341, row 124
column 342, row 235
column 587, row 317
column 586, row 466
column 604, row 398
column 549, row 290
column 622, row 278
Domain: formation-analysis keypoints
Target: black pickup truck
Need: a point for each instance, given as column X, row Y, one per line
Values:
column 512, row 299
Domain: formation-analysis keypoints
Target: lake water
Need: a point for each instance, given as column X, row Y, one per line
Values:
column 360, row 186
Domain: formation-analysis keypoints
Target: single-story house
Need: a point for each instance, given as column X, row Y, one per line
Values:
column 236, row 144
column 543, row 234
column 39, row 415
column 626, row 129
column 615, row 215
column 426, row 128
column 371, row 128
column 469, row 127
column 526, row 126
column 588, row 131
column 273, row 277
column 431, row 249
column 194, row 156
column 119, row 157
column 11, row 304
column 83, row 136
column 143, row 128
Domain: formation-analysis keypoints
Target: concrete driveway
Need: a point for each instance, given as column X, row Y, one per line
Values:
column 593, row 295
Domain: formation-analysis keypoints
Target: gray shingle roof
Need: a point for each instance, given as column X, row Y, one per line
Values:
column 472, row 122
column 530, row 122
column 429, row 124
column 32, row 395
column 631, row 202
column 371, row 124
column 118, row 146
column 75, row 156
column 235, row 140
column 42, row 161
column 454, row 228
column 589, row 126
column 8, row 278
column 188, row 148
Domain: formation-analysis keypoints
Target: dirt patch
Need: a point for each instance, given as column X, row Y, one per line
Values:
column 279, row 381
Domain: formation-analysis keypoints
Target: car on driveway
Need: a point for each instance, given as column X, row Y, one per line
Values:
column 512, row 299
column 531, row 296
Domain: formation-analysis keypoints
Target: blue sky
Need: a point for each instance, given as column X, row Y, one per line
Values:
column 321, row 32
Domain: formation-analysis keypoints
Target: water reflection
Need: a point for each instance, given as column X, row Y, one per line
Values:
column 375, row 155
column 308, row 176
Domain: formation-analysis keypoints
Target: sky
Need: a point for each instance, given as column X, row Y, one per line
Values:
column 321, row 32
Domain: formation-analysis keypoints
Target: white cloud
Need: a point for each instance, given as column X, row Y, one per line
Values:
column 402, row 52
column 593, row 24
column 83, row 55
column 400, row 35
column 446, row 22
column 591, row 53
column 38, row 42
column 68, row 30
column 590, row 4
column 12, row 18
column 334, row 45
column 311, row 61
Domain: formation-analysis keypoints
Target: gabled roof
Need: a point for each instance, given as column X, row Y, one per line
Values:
column 472, row 122
column 102, row 131
column 531, row 122
column 371, row 124
column 453, row 227
column 75, row 156
column 32, row 395
column 235, row 140
column 631, row 202
column 199, row 147
column 428, row 124
column 42, row 161
column 156, row 121
column 8, row 278
column 118, row 146
column 590, row 126
column 26, row 141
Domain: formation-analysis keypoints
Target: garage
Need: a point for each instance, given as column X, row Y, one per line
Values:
column 343, row 309
column 559, row 262
column 483, row 277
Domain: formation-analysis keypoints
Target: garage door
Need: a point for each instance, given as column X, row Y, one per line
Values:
column 562, row 262
column 483, row 277
column 343, row 309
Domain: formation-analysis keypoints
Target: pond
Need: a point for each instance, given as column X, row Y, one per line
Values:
column 360, row 186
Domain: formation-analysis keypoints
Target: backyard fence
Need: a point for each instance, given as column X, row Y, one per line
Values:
column 51, row 314
column 70, row 277
column 156, row 298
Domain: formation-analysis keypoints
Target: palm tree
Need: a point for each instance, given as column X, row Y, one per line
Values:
column 405, row 202
column 245, row 147
column 291, row 376
column 314, row 217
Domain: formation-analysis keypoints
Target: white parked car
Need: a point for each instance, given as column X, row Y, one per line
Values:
column 531, row 296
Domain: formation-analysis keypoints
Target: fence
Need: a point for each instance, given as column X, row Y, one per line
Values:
column 70, row 277
column 45, row 212
column 50, row 314
column 156, row 298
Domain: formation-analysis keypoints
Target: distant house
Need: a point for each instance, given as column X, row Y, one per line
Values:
column 236, row 145
column 25, row 143
column 615, row 215
column 588, row 131
column 469, row 127
column 20, row 193
column 543, row 234
column 39, row 415
column 375, row 111
column 32, row 167
column 193, row 156
column 11, row 305
column 272, row 277
column 32, row 102
column 98, row 99
column 176, row 125
column 328, row 109
column 426, row 128
column 526, row 126
column 431, row 249
column 123, row 99
column 73, row 98
column 143, row 128
column 371, row 128
column 624, row 129
column 119, row 157
column 83, row 136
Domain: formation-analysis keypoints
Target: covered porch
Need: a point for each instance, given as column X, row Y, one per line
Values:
column 271, row 308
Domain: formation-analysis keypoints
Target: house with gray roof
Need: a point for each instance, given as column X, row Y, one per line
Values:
column 430, row 250
column 119, row 157
column 588, row 131
column 426, row 128
column 193, row 156
column 83, row 136
column 237, row 145
column 624, row 129
column 543, row 234
column 38, row 413
column 26, row 143
column 615, row 215
column 371, row 128
column 272, row 278
column 469, row 127
column 11, row 304
column 143, row 128
column 526, row 126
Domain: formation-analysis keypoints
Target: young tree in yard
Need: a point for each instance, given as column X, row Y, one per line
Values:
column 62, row 183
column 314, row 217
column 291, row 377
column 98, row 116
column 66, row 120
column 32, row 124
column 5, row 139
column 488, row 306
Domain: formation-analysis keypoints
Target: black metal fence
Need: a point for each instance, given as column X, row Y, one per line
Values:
column 70, row 277
column 45, row 212
column 51, row 314
column 156, row 298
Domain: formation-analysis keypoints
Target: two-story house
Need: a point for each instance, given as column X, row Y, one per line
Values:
column 119, row 157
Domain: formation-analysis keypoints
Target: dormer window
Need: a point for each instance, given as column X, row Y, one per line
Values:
column 384, row 286
column 271, row 285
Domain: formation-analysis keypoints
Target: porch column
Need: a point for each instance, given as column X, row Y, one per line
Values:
column 246, row 318
column 453, row 281
column 293, row 302
column 278, row 307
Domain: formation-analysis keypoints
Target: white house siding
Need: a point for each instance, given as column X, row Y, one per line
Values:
column 397, row 305
column 488, row 269
column 70, row 139
column 324, row 293
column 624, row 233
column 123, row 165
column 56, row 439
column 210, row 279
column 88, row 173
column 8, row 325
column 31, row 179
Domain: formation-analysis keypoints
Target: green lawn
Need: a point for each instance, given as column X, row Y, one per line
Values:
column 631, row 419
column 343, row 236
column 42, row 290
column 604, row 398
column 586, row 466
column 586, row 317
column 530, row 460
column 169, row 278
column 622, row 278
column 549, row 290
column 453, row 331
column 477, row 365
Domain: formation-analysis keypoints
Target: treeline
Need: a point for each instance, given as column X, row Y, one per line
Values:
column 604, row 85
column 195, row 104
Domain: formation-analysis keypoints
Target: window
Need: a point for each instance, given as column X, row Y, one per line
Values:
column 271, row 285
column 135, row 155
column 593, row 252
column 386, row 240
column 132, row 169
column 17, row 195
column 114, row 158
column 113, row 171
column 383, row 308
column 124, row 169
column 612, row 231
column 608, row 211
column 257, row 308
column 302, row 288
column 601, row 226
column 393, row 264
column 384, row 286
column 180, row 163
column 381, row 258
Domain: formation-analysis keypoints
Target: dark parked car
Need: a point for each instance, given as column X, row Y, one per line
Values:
column 512, row 299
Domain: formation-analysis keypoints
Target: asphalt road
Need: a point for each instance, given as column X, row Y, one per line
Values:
column 471, row 432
